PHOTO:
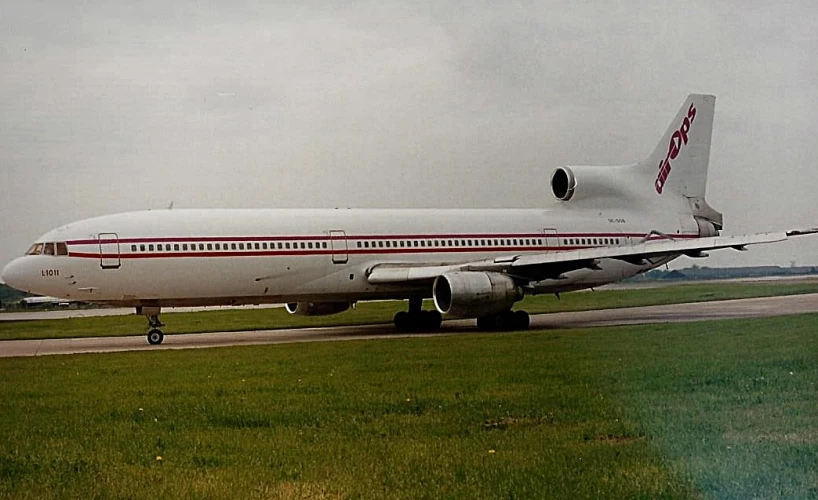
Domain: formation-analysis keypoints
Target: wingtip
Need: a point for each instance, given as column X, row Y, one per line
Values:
column 802, row 232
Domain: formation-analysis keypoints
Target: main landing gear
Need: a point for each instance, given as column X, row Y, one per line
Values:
column 417, row 319
column 504, row 321
column 155, row 335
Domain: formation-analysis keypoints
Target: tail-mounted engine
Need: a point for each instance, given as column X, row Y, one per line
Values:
column 578, row 183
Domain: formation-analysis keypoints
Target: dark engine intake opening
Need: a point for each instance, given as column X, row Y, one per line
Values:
column 563, row 183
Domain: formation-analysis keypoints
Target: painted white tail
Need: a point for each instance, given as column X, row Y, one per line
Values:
column 680, row 160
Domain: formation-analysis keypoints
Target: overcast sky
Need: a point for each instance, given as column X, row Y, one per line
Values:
column 116, row 106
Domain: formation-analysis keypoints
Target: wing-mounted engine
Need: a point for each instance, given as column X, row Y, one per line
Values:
column 580, row 183
column 316, row 308
column 474, row 294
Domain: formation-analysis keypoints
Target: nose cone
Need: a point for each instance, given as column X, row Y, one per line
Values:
column 13, row 275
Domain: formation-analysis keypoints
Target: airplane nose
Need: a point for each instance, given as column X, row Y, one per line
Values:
column 13, row 276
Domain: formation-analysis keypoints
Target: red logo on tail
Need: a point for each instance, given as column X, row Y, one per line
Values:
column 677, row 141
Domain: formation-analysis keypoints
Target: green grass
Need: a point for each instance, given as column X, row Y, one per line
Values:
column 382, row 312
column 723, row 409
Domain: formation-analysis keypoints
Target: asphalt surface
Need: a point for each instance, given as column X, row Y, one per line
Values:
column 743, row 308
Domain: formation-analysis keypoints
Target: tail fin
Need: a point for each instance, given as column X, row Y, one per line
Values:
column 680, row 160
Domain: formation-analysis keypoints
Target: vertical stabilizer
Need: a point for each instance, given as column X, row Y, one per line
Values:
column 680, row 160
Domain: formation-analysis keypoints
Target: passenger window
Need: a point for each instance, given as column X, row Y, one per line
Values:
column 175, row 246
column 150, row 248
column 422, row 243
column 219, row 246
column 309, row 245
column 303, row 245
column 133, row 248
column 141, row 248
column 387, row 244
column 324, row 244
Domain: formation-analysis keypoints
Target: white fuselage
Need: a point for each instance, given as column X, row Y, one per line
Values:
column 213, row 257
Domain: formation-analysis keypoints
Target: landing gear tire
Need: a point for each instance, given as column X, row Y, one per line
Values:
column 418, row 320
column 155, row 336
column 521, row 320
column 505, row 321
column 402, row 321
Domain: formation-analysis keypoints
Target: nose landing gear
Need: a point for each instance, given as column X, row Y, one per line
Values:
column 155, row 335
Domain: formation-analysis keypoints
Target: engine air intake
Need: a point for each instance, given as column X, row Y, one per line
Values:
column 563, row 183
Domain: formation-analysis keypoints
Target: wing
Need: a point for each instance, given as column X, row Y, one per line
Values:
column 551, row 265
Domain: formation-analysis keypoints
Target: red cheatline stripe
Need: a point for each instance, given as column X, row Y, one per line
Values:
column 290, row 253
column 378, row 251
column 324, row 237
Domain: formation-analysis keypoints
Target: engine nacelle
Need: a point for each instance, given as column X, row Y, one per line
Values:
column 316, row 308
column 474, row 294
column 594, row 183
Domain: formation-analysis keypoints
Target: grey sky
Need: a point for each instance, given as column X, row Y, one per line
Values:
column 109, row 107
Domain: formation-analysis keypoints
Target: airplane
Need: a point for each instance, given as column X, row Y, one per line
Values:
column 606, row 224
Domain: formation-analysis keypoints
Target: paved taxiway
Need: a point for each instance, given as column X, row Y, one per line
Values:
column 743, row 308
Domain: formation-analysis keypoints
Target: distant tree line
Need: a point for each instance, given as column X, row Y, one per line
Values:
column 9, row 295
column 716, row 273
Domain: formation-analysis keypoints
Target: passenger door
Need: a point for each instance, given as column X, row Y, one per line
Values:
column 338, row 243
column 109, row 251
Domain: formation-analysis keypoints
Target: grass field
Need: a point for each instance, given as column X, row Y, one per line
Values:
column 723, row 409
column 227, row 320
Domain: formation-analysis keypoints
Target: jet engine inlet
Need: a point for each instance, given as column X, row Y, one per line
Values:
column 563, row 183
column 474, row 294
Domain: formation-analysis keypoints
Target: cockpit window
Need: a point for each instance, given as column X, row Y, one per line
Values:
column 36, row 249
column 59, row 248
